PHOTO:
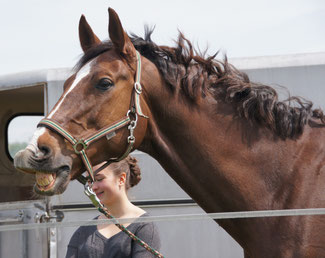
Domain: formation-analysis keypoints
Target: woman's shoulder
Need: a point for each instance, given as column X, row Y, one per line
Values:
column 145, row 214
column 138, row 222
column 145, row 226
column 149, row 233
column 88, row 228
column 82, row 232
column 140, row 216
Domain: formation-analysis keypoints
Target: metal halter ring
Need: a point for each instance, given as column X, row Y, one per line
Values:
column 138, row 87
column 135, row 114
column 131, row 139
column 80, row 143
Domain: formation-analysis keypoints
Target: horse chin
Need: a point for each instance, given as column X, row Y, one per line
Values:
column 52, row 183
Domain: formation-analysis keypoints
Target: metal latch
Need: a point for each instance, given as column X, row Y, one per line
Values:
column 45, row 217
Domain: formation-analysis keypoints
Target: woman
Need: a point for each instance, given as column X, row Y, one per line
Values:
column 111, row 186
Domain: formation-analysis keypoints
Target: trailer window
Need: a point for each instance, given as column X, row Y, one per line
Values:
column 20, row 131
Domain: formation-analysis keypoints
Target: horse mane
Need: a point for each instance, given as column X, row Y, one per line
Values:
column 198, row 76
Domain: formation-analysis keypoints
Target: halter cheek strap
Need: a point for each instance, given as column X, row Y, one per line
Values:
column 80, row 145
column 138, row 88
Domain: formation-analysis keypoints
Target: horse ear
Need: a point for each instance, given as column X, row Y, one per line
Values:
column 120, row 39
column 87, row 37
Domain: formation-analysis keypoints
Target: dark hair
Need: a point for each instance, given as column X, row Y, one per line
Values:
column 130, row 166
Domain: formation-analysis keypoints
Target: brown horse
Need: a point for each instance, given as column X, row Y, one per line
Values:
column 228, row 142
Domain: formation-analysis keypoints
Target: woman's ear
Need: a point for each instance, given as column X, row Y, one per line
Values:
column 122, row 179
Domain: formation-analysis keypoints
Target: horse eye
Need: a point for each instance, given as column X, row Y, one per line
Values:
column 104, row 84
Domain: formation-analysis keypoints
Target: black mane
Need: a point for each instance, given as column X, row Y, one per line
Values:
column 182, row 66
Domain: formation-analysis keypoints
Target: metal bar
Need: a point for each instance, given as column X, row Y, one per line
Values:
column 143, row 203
column 22, row 205
column 53, row 245
column 215, row 216
column 11, row 220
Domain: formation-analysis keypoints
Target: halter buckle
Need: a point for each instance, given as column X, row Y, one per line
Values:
column 77, row 148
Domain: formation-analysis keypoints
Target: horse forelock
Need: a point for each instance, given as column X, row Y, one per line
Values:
column 198, row 75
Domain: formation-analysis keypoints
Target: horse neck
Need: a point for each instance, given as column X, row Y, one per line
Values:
column 212, row 155
column 190, row 142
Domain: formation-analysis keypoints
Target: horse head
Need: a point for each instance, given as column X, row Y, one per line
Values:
column 103, row 91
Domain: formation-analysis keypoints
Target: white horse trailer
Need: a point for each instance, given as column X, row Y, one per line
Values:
column 35, row 93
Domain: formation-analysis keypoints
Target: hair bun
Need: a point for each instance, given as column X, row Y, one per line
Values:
column 135, row 172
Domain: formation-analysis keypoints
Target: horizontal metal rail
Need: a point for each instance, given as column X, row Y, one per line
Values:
column 141, row 203
column 11, row 220
column 209, row 216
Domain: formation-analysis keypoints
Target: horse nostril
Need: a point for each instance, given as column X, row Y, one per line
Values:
column 45, row 151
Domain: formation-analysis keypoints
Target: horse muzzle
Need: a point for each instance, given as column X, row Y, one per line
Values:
column 52, row 173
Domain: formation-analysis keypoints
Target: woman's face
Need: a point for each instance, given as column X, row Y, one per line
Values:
column 107, row 186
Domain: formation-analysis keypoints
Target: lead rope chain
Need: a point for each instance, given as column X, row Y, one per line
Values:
column 80, row 146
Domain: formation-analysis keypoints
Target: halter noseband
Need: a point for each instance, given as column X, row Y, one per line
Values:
column 80, row 145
